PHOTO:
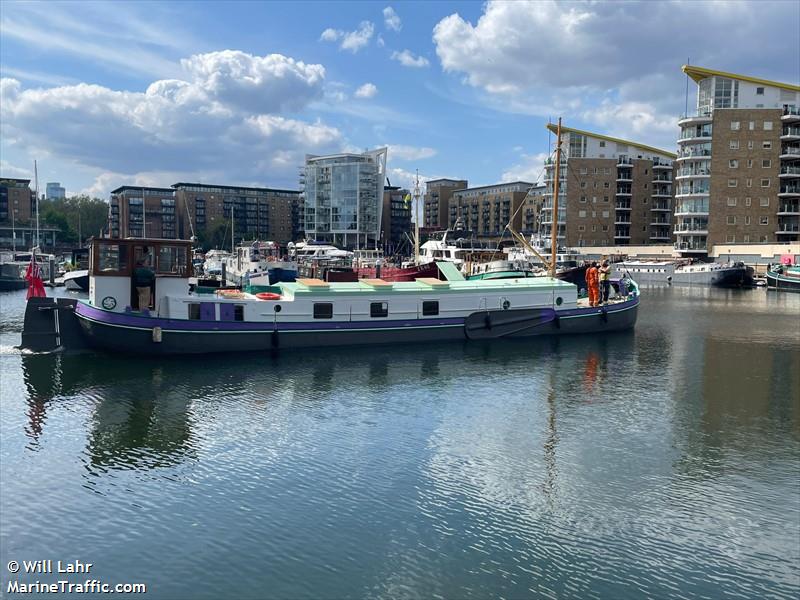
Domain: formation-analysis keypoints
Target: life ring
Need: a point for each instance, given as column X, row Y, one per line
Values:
column 268, row 296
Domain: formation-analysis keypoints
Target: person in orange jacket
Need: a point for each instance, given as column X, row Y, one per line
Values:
column 593, row 284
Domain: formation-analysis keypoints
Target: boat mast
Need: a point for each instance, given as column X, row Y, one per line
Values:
column 233, row 246
column 554, row 218
column 36, row 186
column 144, row 215
column 13, row 232
column 416, row 220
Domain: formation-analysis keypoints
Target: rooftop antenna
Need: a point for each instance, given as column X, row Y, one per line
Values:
column 686, row 110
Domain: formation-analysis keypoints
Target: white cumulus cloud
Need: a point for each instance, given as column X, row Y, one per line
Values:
column 410, row 152
column 408, row 59
column 223, row 117
column 529, row 168
column 391, row 19
column 368, row 90
column 612, row 66
column 350, row 40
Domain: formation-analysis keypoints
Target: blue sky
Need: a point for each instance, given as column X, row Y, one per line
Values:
column 146, row 93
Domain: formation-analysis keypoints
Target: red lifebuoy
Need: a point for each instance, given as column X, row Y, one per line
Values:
column 268, row 296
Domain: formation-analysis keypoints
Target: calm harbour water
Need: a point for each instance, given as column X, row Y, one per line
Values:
column 660, row 463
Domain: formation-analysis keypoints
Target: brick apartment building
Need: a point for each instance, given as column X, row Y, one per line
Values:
column 486, row 210
column 738, row 179
column 436, row 207
column 611, row 192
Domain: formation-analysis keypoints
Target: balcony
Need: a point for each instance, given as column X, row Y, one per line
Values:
column 790, row 133
column 661, row 164
column 623, row 191
column 791, row 114
column 700, row 118
column 690, row 229
column 790, row 171
column 691, row 190
column 693, row 136
column 660, row 237
column 662, row 193
column 624, row 161
column 662, row 178
column 690, row 153
column 622, row 234
column 699, row 172
column 622, row 206
column 657, row 222
column 788, row 230
column 623, row 177
column 789, row 191
column 660, row 206
column 621, row 221
column 790, row 209
column 696, row 245
column 689, row 209
column 790, row 152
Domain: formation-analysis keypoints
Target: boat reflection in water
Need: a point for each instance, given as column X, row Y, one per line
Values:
column 140, row 418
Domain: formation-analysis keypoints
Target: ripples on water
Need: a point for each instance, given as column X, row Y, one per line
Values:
column 659, row 463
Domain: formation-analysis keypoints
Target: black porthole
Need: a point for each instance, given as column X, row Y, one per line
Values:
column 559, row 301
column 277, row 308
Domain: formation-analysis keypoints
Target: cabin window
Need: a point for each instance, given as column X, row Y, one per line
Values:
column 113, row 258
column 172, row 260
column 379, row 309
column 323, row 310
column 238, row 312
column 194, row 311
column 430, row 308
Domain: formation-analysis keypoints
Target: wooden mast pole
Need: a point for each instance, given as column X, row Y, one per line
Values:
column 554, row 217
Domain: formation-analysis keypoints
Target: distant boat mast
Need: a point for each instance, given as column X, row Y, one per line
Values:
column 554, row 218
column 416, row 220
column 36, row 187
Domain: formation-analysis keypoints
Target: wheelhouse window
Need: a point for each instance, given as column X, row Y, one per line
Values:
column 172, row 260
column 430, row 308
column 379, row 309
column 323, row 310
column 113, row 258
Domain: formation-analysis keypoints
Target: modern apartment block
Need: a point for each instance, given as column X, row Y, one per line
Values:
column 186, row 209
column 343, row 198
column 437, row 201
column 738, row 179
column 396, row 218
column 486, row 210
column 55, row 191
column 142, row 212
column 258, row 213
column 611, row 192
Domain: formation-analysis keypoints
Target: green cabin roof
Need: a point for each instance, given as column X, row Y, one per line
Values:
column 420, row 286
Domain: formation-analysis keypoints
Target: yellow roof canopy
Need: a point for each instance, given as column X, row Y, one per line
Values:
column 699, row 73
column 554, row 128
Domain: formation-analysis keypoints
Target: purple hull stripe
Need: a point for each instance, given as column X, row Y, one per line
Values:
column 131, row 320
column 134, row 320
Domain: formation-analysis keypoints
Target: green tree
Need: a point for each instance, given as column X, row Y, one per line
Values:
column 215, row 235
column 77, row 216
